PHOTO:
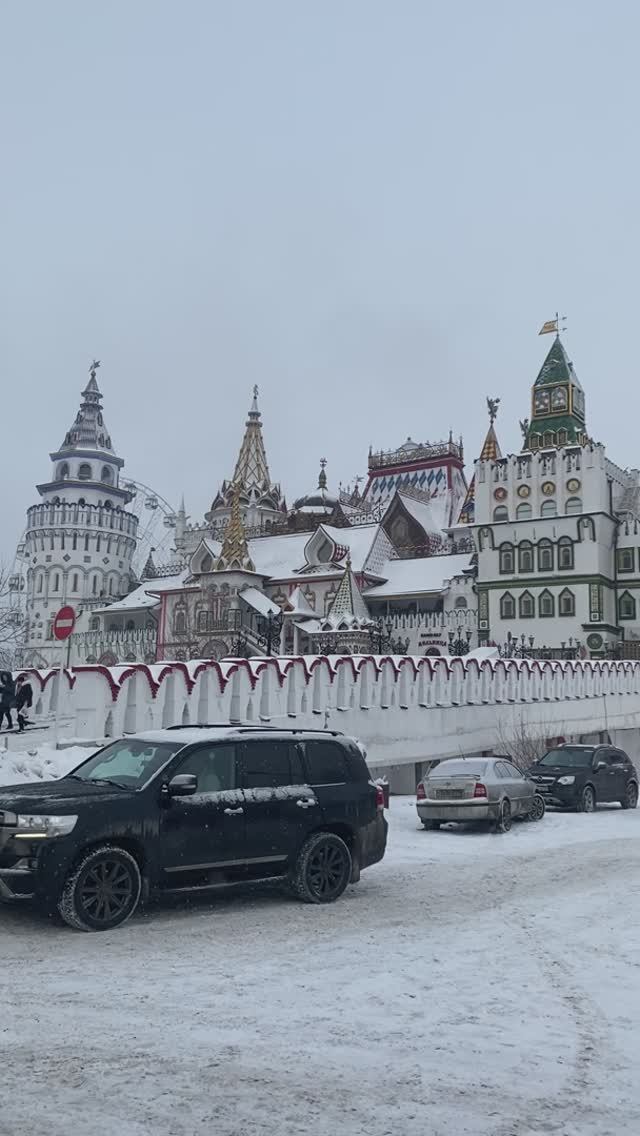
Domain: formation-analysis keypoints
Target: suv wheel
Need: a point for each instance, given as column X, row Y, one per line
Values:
column 503, row 823
column 587, row 800
column 323, row 869
column 102, row 891
column 630, row 799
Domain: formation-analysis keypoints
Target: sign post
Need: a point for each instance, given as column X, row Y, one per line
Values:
column 63, row 624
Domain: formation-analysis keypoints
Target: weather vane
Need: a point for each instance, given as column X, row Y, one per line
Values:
column 554, row 326
column 492, row 407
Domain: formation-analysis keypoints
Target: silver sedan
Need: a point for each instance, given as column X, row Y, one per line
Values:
column 477, row 789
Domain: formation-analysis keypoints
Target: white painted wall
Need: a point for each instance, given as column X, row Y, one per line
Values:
column 405, row 710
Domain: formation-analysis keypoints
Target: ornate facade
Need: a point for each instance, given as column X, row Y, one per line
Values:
column 557, row 528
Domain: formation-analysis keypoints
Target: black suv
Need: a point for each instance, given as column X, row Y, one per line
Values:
column 188, row 808
column 581, row 776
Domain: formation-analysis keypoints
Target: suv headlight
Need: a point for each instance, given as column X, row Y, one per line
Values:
column 567, row 780
column 38, row 827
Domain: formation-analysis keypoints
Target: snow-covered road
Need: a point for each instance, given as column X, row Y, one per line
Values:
column 470, row 984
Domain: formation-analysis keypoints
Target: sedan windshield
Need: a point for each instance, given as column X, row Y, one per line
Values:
column 568, row 757
column 128, row 763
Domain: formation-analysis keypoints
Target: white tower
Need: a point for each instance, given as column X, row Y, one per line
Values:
column 80, row 539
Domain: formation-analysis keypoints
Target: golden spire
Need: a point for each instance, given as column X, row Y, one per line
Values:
column 235, row 550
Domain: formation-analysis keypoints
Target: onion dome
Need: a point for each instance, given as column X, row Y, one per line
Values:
column 320, row 500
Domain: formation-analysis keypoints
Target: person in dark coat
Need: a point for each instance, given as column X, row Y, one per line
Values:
column 7, row 698
column 24, row 700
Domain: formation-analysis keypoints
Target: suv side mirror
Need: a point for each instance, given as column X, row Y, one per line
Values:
column 182, row 785
column 598, row 765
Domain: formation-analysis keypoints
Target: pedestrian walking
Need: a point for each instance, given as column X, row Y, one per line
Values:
column 24, row 700
column 7, row 698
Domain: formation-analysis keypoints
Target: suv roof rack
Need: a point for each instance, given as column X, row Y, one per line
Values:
column 241, row 728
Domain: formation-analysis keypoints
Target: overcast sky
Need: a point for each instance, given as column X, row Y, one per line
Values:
column 368, row 208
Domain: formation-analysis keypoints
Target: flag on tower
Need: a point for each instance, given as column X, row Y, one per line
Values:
column 549, row 327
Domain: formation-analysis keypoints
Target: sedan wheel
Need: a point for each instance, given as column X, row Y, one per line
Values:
column 587, row 802
column 503, row 823
column 538, row 807
column 630, row 799
column 432, row 824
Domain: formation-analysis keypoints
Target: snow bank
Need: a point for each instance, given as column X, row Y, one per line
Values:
column 41, row 763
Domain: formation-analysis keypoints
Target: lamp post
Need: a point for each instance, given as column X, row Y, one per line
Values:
column 457, row 644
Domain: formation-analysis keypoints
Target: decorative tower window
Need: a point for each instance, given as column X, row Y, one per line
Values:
column 626, row 606
column 565, row 552
column 549, row 509
column 507, row 559
column 523, row 512
column 573, row 506
column 626, row 559
column 546, row 604
column 525, row 556
column 501, row 513
column 507, row 606
column 567, row 602
column 526, row 606
column 545, row 556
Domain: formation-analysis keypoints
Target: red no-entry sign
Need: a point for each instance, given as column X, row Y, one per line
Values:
column 64, row 623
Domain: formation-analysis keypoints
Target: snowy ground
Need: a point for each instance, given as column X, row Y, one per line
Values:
column 470, row 984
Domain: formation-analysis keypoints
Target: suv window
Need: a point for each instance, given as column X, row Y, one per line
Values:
column 214, row 766
column 326, row 763
column 267, row 764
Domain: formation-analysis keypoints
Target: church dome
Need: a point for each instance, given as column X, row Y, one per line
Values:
column 320, row 500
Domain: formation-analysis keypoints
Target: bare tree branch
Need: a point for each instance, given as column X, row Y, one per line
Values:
column 10, row 621
column 523, row 741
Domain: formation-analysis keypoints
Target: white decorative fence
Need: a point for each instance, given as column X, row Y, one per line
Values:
column 403, row 709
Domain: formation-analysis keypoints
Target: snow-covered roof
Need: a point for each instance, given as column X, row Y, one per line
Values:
column 143, row 596
column 428, row 574
column 432, row 515
column 258, row 601
column 298, row 604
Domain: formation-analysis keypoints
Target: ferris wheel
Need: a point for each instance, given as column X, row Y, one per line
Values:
column 156, row 525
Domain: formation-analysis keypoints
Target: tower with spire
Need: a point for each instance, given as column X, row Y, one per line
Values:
column 261, row 501
column 557, row 404
column 80, row 538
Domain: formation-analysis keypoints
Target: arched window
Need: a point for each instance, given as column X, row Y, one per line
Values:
column 501, row 513
column 63, row 471
column 84, row 472
column 460, row 602
column 587, row 528
column 94, row 623
column 549, row 509
column 546, row 604
column 523, row 512
column 525, row 556
column 107, row 475
column 507, row 559
column 507, row 606
column 203, row 620
column 74, row 587
column 56, row 582
column 626, row 606
column 567, row 603
column 180, row 621
column 565, row 552
column 526, row 606
column 206, row 564
column 40, row 581
column 111, row 586
column 545, row 556
column 573, row 505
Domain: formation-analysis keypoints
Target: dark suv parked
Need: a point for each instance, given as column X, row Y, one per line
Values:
column 580, row 777
column 181, row 809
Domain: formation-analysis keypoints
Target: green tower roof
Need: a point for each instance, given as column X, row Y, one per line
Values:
column 557, row 404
